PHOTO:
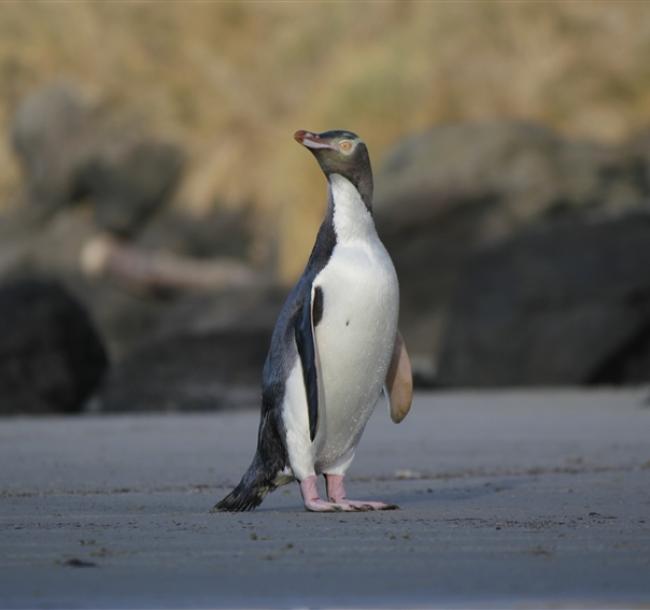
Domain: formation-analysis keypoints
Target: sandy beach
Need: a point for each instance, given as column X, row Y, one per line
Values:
column 508, row 499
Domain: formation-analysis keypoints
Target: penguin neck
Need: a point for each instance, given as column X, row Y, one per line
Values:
column 349, row 211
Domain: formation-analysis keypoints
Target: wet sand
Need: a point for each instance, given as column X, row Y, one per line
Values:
column 508, row 499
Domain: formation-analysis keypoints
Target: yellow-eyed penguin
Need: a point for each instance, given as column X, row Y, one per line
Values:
column 334, row 347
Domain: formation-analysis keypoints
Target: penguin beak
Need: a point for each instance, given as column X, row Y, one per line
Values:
column 311, row 140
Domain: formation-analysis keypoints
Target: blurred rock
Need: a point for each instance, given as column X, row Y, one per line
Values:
column 217, row 233
column 124, row 319
column 255, row 308
column 53, row 248
column 130, row 182
column 129, row 321
column 129, row 318
column 207, row 371
column 207, row 353
column 443, row 194
column 71, row 149
column 161, row 272
column 157, row 261
column 52, row 357
column 564, row 303
column 48, row 135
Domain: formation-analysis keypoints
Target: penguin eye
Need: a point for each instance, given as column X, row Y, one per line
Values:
column 345, row 146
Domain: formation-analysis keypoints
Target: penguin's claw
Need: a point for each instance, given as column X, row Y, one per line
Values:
column 355, row 506
column 322, row 506
column 366, row 505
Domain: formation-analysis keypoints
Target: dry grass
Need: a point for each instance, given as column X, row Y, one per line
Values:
column 232, row 80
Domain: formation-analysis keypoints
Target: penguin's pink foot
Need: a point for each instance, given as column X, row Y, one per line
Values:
column 313, row 501
column 336, row 494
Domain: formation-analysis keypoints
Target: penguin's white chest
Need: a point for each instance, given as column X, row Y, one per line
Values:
column 354, row 340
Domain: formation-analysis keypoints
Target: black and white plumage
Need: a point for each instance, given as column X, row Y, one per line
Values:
column 334, row 347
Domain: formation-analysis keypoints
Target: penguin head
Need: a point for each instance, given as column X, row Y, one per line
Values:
column 341, row 152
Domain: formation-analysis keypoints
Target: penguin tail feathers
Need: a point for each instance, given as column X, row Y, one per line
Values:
column 265, row 472
column 241, row 498
column 250, row 492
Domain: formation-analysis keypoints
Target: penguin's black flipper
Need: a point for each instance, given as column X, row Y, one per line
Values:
column 306, row 321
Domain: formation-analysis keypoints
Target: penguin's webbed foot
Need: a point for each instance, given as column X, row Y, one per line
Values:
column 336, row 494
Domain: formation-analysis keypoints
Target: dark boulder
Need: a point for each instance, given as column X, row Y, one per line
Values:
column 189, row 372
column 205, row 352
column 564, row 303
column 443, row 194
column 51, row 357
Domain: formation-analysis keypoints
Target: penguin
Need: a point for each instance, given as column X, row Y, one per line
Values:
column 335, row 346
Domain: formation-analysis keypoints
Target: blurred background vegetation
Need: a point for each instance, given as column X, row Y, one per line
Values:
column 232, row 81
column 169, row 127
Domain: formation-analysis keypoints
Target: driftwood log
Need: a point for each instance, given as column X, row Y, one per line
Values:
column 162, row 272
